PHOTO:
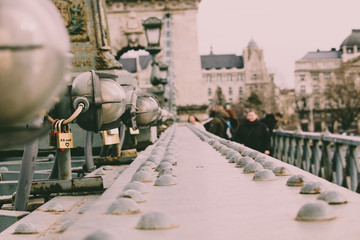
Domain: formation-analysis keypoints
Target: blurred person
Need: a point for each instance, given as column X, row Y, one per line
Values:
column 270, row 120
column 253, row 134
column 233, row 124
column 196, row 122
column 218, row 125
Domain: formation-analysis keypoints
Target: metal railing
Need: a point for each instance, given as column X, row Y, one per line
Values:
column 330, row 156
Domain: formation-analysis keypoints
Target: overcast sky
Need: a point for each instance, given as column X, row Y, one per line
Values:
column 285, row 29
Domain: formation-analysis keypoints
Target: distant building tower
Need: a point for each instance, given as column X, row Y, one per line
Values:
column 239, row 76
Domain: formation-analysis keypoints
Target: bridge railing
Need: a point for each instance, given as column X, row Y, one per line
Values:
column 330, row 156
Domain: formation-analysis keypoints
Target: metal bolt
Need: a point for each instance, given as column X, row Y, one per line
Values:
column 54, row 207
column 332, row 197
column 281, row 171
column 243, row 161
column 132, row 194
column 165, row 180
column 315, row 211
column 99, row 235
column 252, row 167
column 311, row 188
column 123, row 206
column 25, row 228
column 296, row 181
column 156, row 221
column 138, row 186
column 264, row 175
column 269, row 165
column 142, row 176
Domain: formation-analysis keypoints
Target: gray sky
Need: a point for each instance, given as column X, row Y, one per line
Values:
column 285, row 29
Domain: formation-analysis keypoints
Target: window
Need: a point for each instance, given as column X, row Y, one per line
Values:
column 315, row 77
column 219, row 77
column 316, row 89
column 229, row 78
column 240, row 90
column 230, row 90
column 317, row 102
column 168, row 34
column 327, row 103
column 254, row 77
column 302, row 89
column 326, row 76
column 168, row 53
column 209, row 92
column 239, row 77
column 208, row 78
column 230, row 100
column 168, row 43
column 302, row 78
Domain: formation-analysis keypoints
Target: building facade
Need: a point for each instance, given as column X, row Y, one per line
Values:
column 314, row 72
column 178, row 42
column 239, row 76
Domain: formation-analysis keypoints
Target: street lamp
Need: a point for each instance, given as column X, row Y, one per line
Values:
column 163, row 74
column 152, row 28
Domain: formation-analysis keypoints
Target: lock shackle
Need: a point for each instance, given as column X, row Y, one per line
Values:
column 59, row 124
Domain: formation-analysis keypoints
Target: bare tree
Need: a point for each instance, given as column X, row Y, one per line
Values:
column 219, row 97
column 343, row 97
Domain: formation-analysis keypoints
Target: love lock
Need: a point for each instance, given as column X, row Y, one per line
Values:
column 64, row 137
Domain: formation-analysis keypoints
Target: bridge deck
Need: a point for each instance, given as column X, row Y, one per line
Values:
column 212, row 200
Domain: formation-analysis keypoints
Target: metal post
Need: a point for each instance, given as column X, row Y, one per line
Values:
column 27, row 170
column 89, row 161
column 64, row 164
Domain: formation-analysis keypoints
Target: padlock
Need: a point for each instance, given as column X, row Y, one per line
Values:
column 110, row 137
column 52, row 135
column 64, row 138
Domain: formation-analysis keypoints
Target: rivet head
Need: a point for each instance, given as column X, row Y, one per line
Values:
column 253, row 154
column 167, row 170
column 235, row 158
column 154, row 158
column 25, row 228
column 149, row 164
column 66, row 224
column 224, row 150
column 295, row 181
column 165, row 180
column 311, row 188
column 142, row 176
column 54, row 207
column 84, row 208
column 217, row 146
column 332, row 197
column 138, row 186
column 230, row 154
column 145, row 169
column 252, row 167
column 315, row 211
column 123, row 206
column 269, row 165
column 245, row 153
column 162, row 166
column 156, row 221
column 281, row 171
column 107, row 168
column 243, row 161
column 4, row 169
column 132, row 194
column 99, row 235
column 260, row 159
column 264, row 175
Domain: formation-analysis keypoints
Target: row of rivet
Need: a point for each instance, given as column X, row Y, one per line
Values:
column 265, row 170
column 160, row 158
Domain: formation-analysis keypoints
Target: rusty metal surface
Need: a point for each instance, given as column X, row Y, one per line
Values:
column 74, row 185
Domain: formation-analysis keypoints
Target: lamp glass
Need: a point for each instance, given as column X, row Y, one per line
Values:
column 153, row 36
column 112, row 91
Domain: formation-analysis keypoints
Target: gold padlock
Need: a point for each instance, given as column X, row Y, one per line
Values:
column 64, row 139
column 110, row 137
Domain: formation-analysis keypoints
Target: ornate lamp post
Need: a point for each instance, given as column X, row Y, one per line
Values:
column 152, row 28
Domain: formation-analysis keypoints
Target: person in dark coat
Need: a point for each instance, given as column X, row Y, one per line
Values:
column 253, row 134
column 270, row 120
column 218, row 124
